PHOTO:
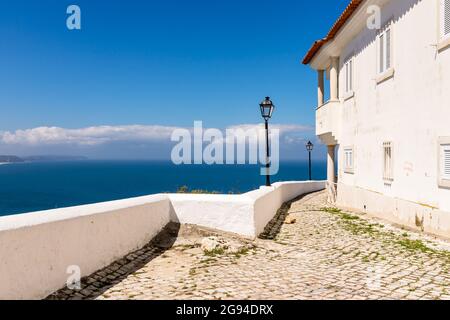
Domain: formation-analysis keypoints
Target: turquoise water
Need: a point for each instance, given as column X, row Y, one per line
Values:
column 27, row 187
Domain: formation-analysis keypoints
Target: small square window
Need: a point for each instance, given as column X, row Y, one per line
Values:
column 388, row 168
column 349, row 163
column 444, row 162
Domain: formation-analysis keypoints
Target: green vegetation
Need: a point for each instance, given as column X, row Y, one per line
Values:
column 215, row 252
column 185, row 247
column 415, row 245
column 222, row 251
column 186, row 190
column 358, row 226
column 241, row 252
column 353, row 223
column 332, row 210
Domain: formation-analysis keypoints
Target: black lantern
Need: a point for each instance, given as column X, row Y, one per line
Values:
column 267, row 108
column 310, row 147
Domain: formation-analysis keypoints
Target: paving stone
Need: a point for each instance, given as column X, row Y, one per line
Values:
column 325, row 254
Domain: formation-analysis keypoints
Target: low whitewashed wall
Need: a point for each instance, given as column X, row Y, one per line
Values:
column 231, row 213
column 268, row 200
column 246, row 214
column 37, row 248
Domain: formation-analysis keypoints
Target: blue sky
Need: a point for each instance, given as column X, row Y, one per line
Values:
column 165, row 63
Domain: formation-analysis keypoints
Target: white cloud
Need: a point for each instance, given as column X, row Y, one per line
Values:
column 86, row 136
column 283, row 128
column 98, row 135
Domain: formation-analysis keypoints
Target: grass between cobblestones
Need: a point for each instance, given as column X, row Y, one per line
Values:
column 325, row 254
column 358, row 226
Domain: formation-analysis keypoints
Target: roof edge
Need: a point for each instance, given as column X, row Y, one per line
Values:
column 340, row 22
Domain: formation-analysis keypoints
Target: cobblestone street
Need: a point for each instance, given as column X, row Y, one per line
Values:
column 309, row 251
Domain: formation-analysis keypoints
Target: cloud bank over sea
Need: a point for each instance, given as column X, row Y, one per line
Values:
column 130, row 141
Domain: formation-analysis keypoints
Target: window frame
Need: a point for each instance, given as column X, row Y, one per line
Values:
column 388, row 164
column 443, row 179
column 383, row 53
column 349, row 76
column 444, row 149
column 349, row 166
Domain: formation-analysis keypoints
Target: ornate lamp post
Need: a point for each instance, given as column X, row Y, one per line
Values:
column 267, row 108
column 310, row 147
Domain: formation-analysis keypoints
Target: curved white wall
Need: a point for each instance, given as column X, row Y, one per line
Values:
column 245, row 214
column 37, row 248
column 231, row 213
column 268, row 200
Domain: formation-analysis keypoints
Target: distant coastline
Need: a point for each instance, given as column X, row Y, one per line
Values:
column 9, row 159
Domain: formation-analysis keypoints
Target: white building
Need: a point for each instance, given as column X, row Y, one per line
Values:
column 387, row 121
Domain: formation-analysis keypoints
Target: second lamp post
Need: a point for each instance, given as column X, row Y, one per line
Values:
column 309, row 147
column 266, row 112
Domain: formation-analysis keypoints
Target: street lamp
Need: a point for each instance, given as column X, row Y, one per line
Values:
column 310, row 147
column 267, row 108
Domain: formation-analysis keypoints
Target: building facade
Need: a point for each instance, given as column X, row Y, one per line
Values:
column 387, row 120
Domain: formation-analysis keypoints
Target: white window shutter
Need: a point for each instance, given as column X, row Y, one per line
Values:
column 388, row 170
column 351, row 75
column 388, row 48
column 446, row 162
column 346, row 78
column 445, row 18
column 381, row 53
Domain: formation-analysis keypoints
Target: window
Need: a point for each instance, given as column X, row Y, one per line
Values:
column 348, row 160
column 349, row 76
column 445, row 19
column 445, row 162
column 385, row 50
column 388, row 168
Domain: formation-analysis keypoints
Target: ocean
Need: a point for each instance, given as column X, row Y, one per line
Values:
column 35, row 186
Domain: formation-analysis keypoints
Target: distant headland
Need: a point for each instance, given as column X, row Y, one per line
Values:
column 15, row 159
column 10, row 159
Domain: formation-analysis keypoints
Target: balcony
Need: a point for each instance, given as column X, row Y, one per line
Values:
column 328, row 122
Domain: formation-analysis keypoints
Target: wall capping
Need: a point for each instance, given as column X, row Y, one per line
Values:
column 94, row 236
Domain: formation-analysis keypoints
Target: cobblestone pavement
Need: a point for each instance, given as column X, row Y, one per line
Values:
column 325, row 254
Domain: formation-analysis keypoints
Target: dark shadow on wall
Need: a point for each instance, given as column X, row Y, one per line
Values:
column 96, row 284
column 399, row 9
column 272, row 230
